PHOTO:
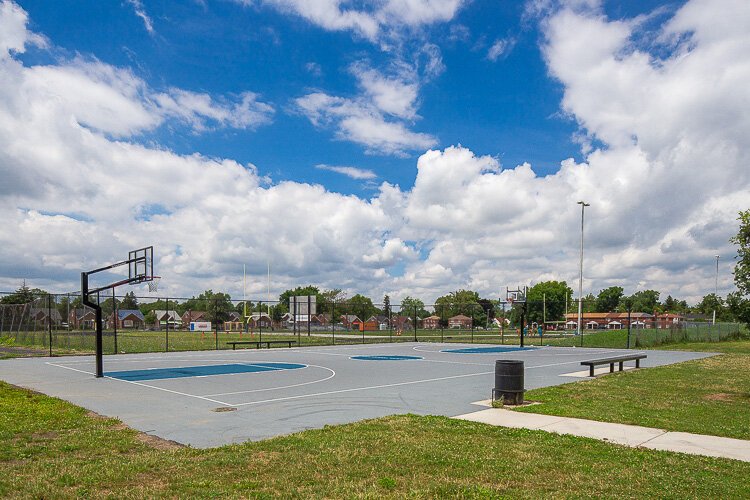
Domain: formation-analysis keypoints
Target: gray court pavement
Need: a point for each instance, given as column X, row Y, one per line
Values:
column 332, row 388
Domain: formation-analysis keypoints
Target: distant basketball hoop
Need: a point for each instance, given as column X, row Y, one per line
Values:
column 517, row 295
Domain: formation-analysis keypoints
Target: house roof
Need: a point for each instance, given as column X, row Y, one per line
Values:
column 193, row 315
column 433, row 317
column 257, row 316
column 42, row 312
column 124, row 313
column 161, row 314
column 609, row 315
column 459, row 317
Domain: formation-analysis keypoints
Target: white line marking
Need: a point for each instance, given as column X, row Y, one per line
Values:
column 361, row 389
column 145, row 385
column 333, row 374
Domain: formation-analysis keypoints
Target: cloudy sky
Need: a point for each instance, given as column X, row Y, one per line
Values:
column 408, row 147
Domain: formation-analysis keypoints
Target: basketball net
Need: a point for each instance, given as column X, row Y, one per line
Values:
column 153, row 284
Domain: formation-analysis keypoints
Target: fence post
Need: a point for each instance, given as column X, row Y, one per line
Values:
column 415, row 322
column 49, row 321
column 333, row 322
column 442, row 323
column 628, row 341
column 166, row 330
column 473, row 309
column 216, row 335
column 114, row 316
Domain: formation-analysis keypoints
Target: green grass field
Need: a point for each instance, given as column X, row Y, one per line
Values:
column 50, row 448
column 708, row 396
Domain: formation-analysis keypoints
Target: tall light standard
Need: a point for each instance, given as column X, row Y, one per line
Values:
column 716, row 288
column 580, row 279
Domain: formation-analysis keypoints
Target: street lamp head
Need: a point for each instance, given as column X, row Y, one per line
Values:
column 717, row 257
column 583, row 203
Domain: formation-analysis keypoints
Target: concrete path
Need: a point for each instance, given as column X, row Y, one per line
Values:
column 628, row 435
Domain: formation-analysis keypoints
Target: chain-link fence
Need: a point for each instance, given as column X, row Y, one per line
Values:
column 59, row 324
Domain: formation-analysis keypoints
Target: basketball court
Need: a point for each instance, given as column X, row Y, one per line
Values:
column 212, row 398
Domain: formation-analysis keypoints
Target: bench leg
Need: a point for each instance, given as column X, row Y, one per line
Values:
column 637, row 363
column 611, row 368
column 234, row 347
column 621, row 365
column 591, row 371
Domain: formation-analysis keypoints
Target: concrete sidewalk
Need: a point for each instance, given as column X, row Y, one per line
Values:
column 628, row 435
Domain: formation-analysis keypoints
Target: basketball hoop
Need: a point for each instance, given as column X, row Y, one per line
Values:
column 153, row 284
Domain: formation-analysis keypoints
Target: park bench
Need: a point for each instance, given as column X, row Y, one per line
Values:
column 258, row 343
column 612, row 360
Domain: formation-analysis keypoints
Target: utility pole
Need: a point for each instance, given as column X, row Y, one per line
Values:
column 580, row 278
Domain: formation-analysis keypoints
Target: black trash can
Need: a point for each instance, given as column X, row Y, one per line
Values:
column 508, row 382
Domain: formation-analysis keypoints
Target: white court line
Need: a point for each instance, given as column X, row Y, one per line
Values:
column 360, row 389
column 333, row 374
column 146, row 385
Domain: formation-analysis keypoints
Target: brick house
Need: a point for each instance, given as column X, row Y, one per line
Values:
column 609, row 321
column 431, row 322
column 127, row 318
column 459, row 321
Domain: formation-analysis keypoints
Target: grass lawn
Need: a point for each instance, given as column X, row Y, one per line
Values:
column 50, row 448
column 709, row 396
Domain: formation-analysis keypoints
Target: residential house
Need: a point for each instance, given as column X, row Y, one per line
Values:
column 609, row 320
column 431, row 322
column 82, row 318
column 127, row 318
column 168, row 319
column 350, row 321
column 193, row 316
column 459, row 321
column 259, row 320
column 402, row 323
column 42, row 316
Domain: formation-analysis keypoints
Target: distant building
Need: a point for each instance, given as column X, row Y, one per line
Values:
column 459, row 321
column 127, row 318
column 431, row 322
column 619, row 320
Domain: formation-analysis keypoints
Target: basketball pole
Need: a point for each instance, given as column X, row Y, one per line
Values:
column 98, row 315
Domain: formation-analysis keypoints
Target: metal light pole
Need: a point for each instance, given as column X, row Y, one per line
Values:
column 580, row 279
column 716, row 288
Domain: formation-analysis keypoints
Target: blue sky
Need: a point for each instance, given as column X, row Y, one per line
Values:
column 508, row 107
column 379, row 146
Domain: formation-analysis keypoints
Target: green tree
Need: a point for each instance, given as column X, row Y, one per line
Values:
column 549, row 297
column 386, row 304
column 742, row 240
column 362, row 307
column 217, row 305
column 299, row 291
column 328, row 301
column 467, row 303
column 739, row 304
column 150, row 318
column 609, row 299
column 129, row 301
column 589, row 304
column 710, row 303
column 739, row 307
column 411, row 304
column 645, row 301
column 22, row 295
column 161, row 305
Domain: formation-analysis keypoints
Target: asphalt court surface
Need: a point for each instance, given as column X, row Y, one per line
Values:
column 211, row 398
